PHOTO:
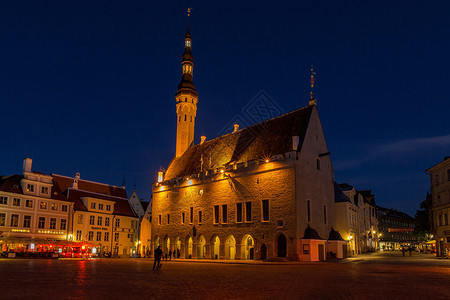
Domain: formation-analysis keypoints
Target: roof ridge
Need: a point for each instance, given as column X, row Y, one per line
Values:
column 69, row 188
column 99, row 183
column 254, row 125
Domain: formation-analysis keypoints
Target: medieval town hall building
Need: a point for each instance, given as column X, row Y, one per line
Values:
column 262, row 192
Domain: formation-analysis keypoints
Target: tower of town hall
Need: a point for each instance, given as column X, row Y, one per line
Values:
column 186, row 100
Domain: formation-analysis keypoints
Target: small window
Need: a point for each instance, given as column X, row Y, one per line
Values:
column 182, row 218
column 200, row 216
column 91, row 220
column 117, row 223
column 64, row 208
column 185, row 117
column 4, row 200
column 2, row 219
column 318, row 163
column 239, row 212
column 325, row 214
column 41, row 223
column 80, row 219
column 99, row 236
column 108, row 207
column 27, row 221
column 179, row 118
column 265, row 210
column 306, row 249
column 216, row 214
column 44, row 190
column 168, row 219
column 93, row 205
column 116, row 237
column 100, row 206
column 106, row 237
column 248, row 211
column 78, row 235
column 30, row 187
column 107, row 221
column 224, row 213
column 43, row 205
column 52, row 223
column 191, row 216
column 16, row 202
column 90, row 236
column 99, row 221
column 160, row 219
column 308, row 208
column 54, row 206
column 14, row 220
column 63, row 224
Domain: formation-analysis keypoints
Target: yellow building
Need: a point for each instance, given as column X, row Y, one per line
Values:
column 262, row 192
column 102, row 216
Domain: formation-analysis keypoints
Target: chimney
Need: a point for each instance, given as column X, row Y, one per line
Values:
column 75, row 181
column 295, row 142
column 202, row 139
column 236, row 127
column 27, row 164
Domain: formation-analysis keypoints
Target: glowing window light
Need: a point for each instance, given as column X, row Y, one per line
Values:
column 161, row 188
column 160, row 176
column 189, row 182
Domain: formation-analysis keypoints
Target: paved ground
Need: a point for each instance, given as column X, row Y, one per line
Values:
column 373, row 276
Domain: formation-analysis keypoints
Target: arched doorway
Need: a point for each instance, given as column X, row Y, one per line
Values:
column 263, row 251
column 215, row 247
column 201, row 247
column 281, row 246
column 156, row 242
column 230, row 247
column 188, row 247
column 177, row 249
column 166, row 245
column 248, row 247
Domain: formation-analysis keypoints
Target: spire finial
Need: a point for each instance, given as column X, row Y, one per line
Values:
column 188, row 15
column 312, row 81
column 312, row 100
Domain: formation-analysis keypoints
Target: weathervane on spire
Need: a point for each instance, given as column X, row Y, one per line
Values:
column 189, row 14
column 312, row 100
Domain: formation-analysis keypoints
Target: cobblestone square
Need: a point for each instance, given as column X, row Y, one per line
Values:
column 372, row 276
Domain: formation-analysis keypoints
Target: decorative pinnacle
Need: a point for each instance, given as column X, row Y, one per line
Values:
column 188, row 15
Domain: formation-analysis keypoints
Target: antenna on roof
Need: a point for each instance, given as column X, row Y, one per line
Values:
column 312, row 100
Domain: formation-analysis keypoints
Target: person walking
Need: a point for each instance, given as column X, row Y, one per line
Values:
column 158, row 254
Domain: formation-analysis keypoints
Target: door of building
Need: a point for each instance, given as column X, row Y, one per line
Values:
column 321, row 252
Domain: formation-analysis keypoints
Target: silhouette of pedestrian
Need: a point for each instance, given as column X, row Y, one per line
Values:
column 403, row 251
column 158, row 254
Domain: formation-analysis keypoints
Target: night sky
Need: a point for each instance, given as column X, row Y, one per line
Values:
column 89, row 86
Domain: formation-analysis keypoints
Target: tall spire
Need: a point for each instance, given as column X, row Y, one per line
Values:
column 186, row 98
column 312, row 100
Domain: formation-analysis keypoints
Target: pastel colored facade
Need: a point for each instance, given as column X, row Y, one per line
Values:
column 356, row 219
column 102, row 216
column 136, row 204
column 440, row 205
column 146, row 231
column 32, row 207
column 263, row 192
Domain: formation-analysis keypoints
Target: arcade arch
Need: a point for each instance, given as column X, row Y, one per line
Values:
column 230, row 247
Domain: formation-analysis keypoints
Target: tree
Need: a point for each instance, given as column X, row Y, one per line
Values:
column 422, row 228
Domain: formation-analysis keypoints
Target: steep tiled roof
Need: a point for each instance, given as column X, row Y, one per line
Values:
column 393, row 213
column 65, row 182
column 260, row 141
column 12, row 184
column 339, row 196
column 345, row 186
column 121, row 206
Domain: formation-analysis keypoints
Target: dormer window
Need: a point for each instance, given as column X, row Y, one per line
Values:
column 93, row 205
column 30, row 187
column 44, row 190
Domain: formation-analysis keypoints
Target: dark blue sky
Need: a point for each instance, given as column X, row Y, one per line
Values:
column 88, row 86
